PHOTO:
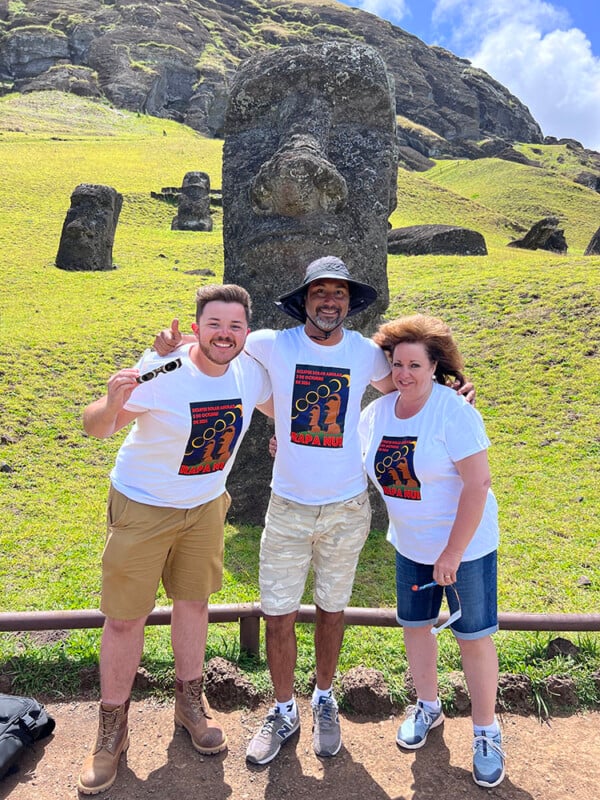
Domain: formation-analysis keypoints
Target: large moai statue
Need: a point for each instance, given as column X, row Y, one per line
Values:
column 88, row 233
column 309, row 169
column 193, row 205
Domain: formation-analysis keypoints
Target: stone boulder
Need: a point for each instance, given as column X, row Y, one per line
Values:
column 414, row 160
column 589, row 179
column 30, row 50
column 491, row 148
column 81, row 81
column 562, row 648
column 544, row 235
column 593, row 248
column 193, row 204
column 88, row 232
column 510, row 154
column 444, row 240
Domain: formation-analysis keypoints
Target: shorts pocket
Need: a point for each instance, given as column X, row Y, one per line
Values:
column 116, row 510
column 358, row 503
column 278, row 503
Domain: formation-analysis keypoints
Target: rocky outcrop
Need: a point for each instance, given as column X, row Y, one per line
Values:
column 412, row 159
column 82, row 81
column 441, row 240
column 30, row 50
column 593, row 248
column 589, row 179
column 510, row 154
column 176, row 60
column 544, row 235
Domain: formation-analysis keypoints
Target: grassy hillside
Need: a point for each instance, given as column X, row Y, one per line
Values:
column 524, row 195
column 527, row 323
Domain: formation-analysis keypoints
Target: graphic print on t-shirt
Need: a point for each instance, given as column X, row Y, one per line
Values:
column 395, row 468
column 319, row 404
column 216, row 427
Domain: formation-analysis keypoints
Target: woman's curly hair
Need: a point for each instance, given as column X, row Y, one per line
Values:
column 436, row 338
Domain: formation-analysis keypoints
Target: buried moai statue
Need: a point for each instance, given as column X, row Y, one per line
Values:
column 193, row 204
column 88, row 233
column 309, row 169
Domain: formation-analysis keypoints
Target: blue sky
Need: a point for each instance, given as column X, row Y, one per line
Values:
column 546, row 53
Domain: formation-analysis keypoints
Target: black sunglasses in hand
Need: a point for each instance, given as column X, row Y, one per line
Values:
column 170, row 366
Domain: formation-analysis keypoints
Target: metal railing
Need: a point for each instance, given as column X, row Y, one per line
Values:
column 248, row 615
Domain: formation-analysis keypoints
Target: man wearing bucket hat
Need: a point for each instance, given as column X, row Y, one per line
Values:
column 293, row 303
column 319, row 512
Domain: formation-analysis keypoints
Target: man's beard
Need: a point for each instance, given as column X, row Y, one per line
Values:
column 328, row 323
column 222, row 356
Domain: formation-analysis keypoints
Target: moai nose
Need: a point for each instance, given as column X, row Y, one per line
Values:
column 298, row 180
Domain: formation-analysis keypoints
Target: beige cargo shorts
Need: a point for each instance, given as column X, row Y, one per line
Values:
column 328, row 537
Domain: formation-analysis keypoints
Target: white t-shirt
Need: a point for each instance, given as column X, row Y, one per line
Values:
column 181, row 448
column 317, row 392
column 412, row 464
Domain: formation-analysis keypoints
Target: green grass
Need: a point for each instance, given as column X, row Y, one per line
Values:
column 524, row 194
column 527, row 323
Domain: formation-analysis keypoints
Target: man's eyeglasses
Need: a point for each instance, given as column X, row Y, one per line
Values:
column 457, row 614
column 170, row 366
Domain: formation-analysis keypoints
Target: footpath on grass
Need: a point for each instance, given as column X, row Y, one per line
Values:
column 546, row 760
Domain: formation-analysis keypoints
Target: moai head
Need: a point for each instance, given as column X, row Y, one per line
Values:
column 88, row 232
column 309, row 169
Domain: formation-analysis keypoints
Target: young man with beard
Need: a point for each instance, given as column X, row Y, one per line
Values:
column 166, row 510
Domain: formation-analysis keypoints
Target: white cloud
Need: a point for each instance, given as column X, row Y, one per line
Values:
column 393, row 10
column 555, row 75
column 530, row 48
column 478, row 18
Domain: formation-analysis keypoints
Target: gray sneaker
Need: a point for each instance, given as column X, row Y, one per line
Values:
column 327, row 736
column 275, row 731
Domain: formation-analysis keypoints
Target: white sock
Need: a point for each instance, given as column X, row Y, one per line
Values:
column 488, row 730
column 287, row 709
column 319, row 693
column 432, row 706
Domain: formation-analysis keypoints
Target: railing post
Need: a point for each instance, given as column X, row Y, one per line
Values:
column 250, row 635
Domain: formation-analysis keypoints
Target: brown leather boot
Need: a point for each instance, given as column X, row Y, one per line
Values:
column 100, row 767
column 193, row 713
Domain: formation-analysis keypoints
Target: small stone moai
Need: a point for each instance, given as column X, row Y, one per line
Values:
column 88, row 233
column 193, row 205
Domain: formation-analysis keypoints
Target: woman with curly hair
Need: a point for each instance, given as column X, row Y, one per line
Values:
column 425, row 449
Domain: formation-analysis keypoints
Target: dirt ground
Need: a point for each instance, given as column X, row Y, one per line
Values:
column 545, row 760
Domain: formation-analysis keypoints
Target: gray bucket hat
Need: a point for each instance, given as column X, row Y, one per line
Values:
column 361, row 294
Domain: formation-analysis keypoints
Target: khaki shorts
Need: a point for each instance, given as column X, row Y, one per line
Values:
column 330, row 537
column 183, row 546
